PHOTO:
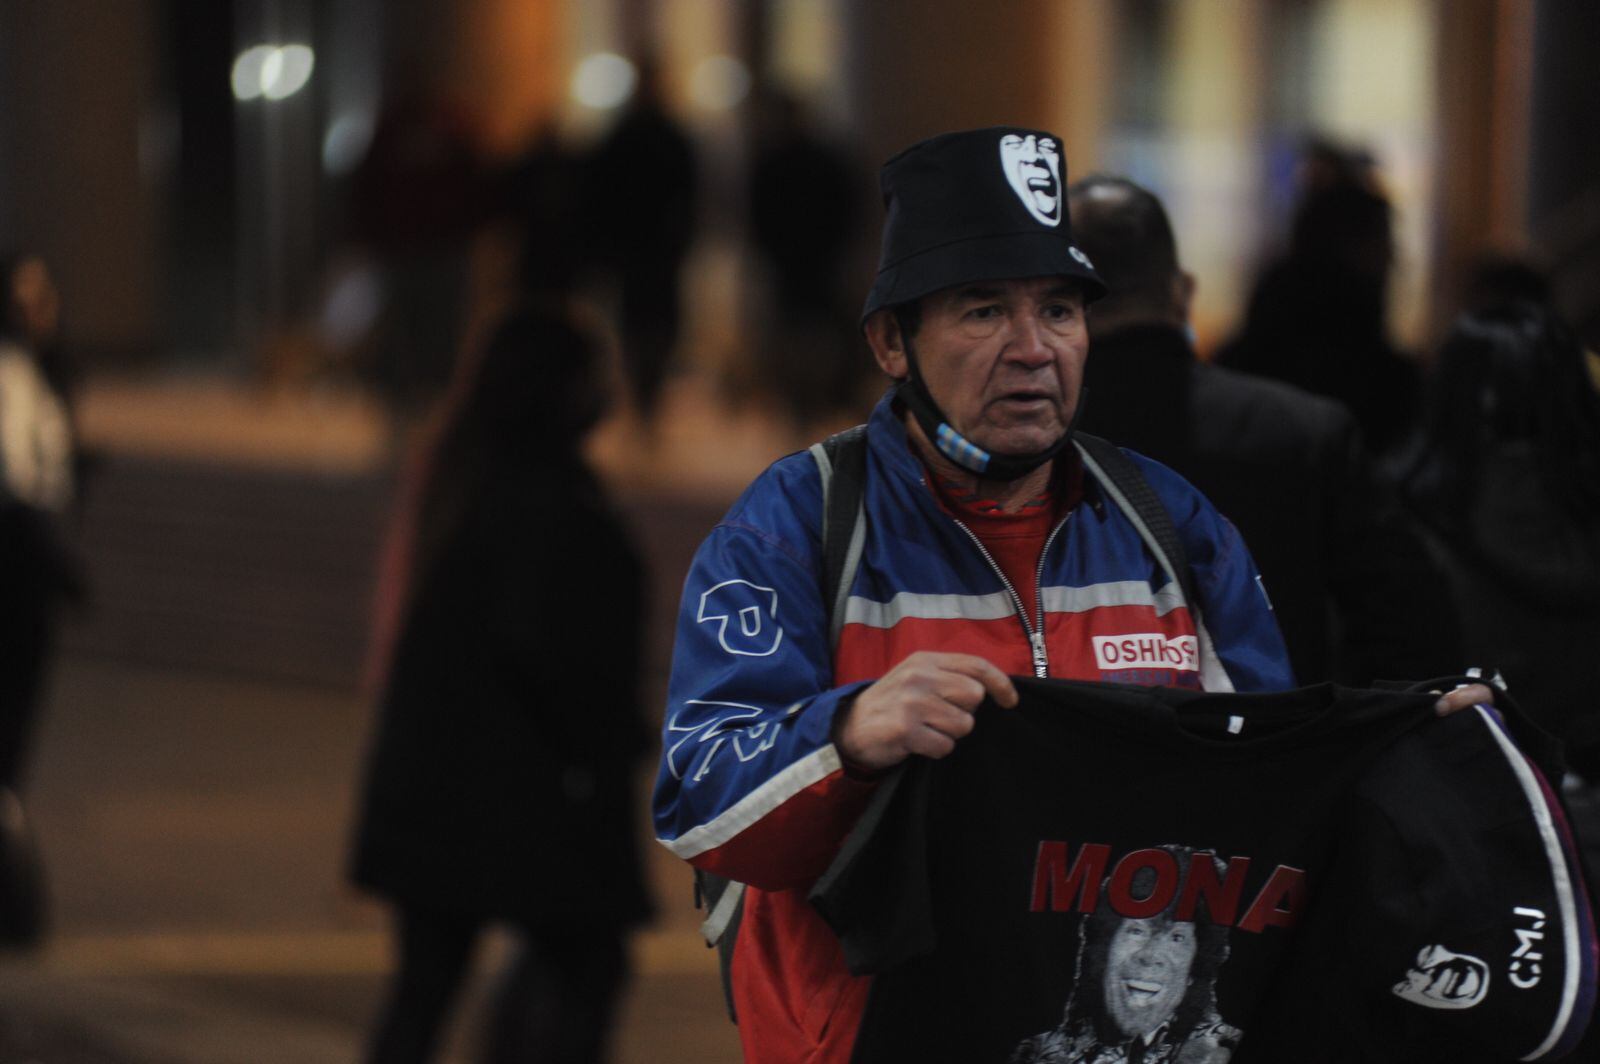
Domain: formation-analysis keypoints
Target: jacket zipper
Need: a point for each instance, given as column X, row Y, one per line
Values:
column 1035, row 635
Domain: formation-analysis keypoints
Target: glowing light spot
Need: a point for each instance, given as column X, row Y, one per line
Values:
column 247, row 71
column 274, row 72
column 291, row 72
column 346, row 142
column 603, row 81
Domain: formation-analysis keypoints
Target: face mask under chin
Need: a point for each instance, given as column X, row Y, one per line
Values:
column 962, row 451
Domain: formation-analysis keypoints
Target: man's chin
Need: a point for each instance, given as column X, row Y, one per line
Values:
column 1020, row 440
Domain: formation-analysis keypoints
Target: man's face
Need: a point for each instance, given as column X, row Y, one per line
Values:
column 1004, row 360
column 34, row 295
column 1147, row 972
column 1033, row 166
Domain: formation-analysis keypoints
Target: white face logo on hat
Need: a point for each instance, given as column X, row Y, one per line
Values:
column 1033, row 166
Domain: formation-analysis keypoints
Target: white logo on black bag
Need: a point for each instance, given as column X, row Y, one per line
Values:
column 1440, row 979
column 1032, row 164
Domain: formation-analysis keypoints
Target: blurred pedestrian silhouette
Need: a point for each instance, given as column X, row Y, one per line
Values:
column 1507, row 481
column 803, row 203
column 641, row 183
column 415, row 202
column 1318, row 317
column 500, row 782
column 33, row 318
column 542, row 195
column 39, row 569
column 1353, row 590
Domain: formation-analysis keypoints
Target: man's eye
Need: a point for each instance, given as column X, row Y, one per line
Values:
column 1059, row 311
column 985, row 313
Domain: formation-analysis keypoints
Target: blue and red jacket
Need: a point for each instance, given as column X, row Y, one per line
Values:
column 751, row 786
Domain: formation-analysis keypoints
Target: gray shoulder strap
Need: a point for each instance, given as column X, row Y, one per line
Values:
column 841, row 463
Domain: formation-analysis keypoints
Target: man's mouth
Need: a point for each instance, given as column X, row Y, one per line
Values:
column 1141, row 992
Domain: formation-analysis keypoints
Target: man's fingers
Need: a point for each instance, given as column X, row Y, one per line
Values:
column 959, row 690
column 949, row 719
column 928, row 741
column 995, row 683
column 1462, row 697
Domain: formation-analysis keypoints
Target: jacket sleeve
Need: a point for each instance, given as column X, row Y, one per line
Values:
column 750, row 785
column 1234, row 607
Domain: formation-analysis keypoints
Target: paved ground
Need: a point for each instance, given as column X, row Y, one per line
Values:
column 193, row 829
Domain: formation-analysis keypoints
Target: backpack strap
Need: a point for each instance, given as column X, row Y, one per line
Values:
column 1133, row 494
column 725, row 899
column 842, row 464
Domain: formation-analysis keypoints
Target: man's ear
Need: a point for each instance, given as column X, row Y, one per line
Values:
column 888, row 346
column 1183, row 286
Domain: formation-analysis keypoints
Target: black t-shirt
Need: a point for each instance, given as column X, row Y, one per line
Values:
column 1117, row 874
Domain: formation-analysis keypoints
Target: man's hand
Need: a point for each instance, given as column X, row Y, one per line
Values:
column 1462, row 697
column 921, row 706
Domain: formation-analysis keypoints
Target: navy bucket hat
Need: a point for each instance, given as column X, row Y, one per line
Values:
column 980, row 205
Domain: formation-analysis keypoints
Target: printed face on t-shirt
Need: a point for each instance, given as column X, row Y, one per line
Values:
column 1147, row 972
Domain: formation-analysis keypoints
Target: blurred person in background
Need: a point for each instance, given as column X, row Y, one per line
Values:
column 414, row 203
column 1352, row 587
column 1497, row 278
column 40, row 569
column 33, row 318
column 804, row 211
column 1506, row 480
column 541, row 194
column 641, row 184
column 499, row 787
column 1318, row 317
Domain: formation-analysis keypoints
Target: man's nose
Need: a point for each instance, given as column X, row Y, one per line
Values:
column 1029, row 341
column 1149, row 956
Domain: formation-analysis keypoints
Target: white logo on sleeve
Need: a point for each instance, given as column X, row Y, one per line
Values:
column 1440, row 979
column 745, row 615
column 1146, row 650
column 1032, row 165
column 730, row 725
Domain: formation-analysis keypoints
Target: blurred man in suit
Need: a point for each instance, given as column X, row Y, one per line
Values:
column 1355, row 594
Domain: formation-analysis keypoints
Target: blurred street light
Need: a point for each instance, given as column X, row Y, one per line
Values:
column 273, row 72
column 603, row 81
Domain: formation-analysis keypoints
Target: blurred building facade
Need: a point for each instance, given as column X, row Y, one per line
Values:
column 198, row 223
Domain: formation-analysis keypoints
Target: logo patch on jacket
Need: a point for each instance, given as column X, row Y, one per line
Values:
column 745, row 615
column 1146, row 650
column 1441, row 979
